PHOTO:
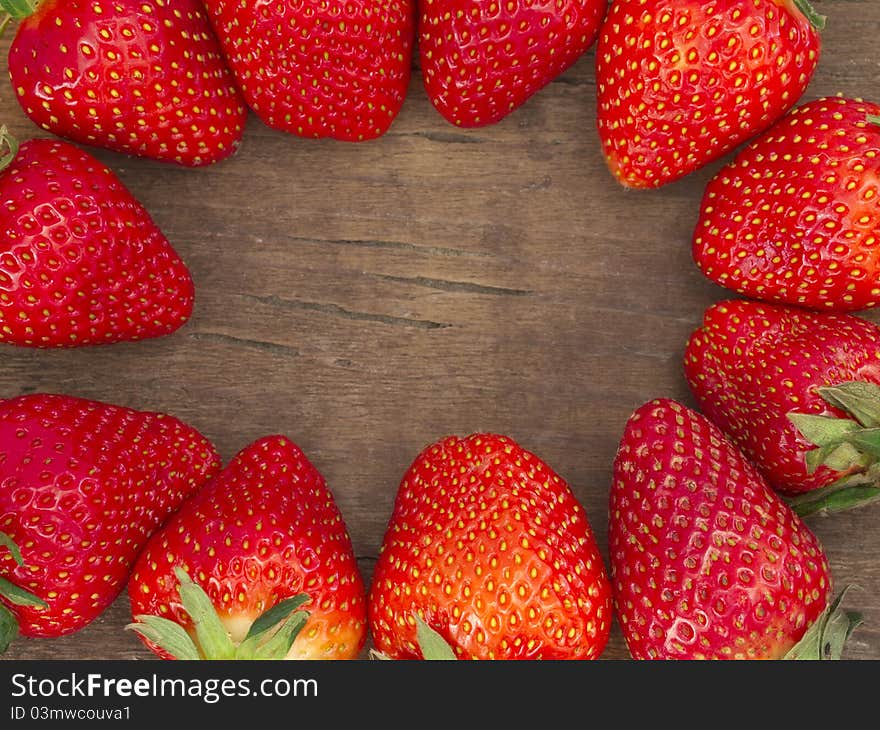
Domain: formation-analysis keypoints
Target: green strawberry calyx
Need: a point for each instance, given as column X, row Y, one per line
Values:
column 873, row 119
column 817, row 20
column 15, row 10
column 15, row 595
column 8, row 148
column 850, row 446
column 270, row 636
column 433, row 646
column 827, row 636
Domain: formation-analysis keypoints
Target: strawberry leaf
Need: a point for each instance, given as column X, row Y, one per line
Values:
column 167, row 635
column 212, row 635
column 433, row 646
column 815, row 19
column 8, row 628
column 8, row 142
column 267, row 625
column 844, row 457
column 866, row 440
column 279, row 645
column 827, row 636
column 10, row 591
column 9, row 543
column 873, row 119
column 861, row 400
column 822, row 430
column 816, row 457
column 19, row 596
column 275, row 615
column 18, row 9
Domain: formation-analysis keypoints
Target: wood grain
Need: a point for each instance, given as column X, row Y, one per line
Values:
column 366, row 299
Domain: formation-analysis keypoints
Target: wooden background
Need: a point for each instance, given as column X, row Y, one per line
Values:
column 367, row 299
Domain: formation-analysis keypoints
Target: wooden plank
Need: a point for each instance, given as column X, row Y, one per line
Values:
column 368, row 299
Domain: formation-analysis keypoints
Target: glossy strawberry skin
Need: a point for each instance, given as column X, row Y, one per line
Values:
column 83, row 485
column 751, row 364
column 795, row 217
column 681, row 84
column 482, row 60
column 490, row 547
column 264, row 529
column 142, row 77
column 706, row 561
column 82, row 262
column 335, row 69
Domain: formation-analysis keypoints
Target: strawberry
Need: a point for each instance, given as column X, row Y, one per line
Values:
column 258, row 541
column 489, row 550
column 780, row 382
column 335, row 69
column 82, row 486
column 81, row 262
column 682, row 83
column 706, row 561
column 482, row 60
column 795, row 217
column 143, row 77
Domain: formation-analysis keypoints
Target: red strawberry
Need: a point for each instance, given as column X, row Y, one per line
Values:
column 263, row 531
column 82, row 486
column 682, row 83
column 795, row 218
column 706, row 561
column 81, row 262
column 143, row 77
column 762, row 374
column 335, row 69
column 490, row 549
column 481, row 60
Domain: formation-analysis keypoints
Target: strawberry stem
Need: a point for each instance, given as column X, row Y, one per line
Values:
column 834, row 498
column 816, row 20
column 7, row 141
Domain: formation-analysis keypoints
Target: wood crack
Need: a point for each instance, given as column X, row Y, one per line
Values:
column 220, row 338
column 442, row 137
column 456, row 286
column 337, row 311
column 396, row 246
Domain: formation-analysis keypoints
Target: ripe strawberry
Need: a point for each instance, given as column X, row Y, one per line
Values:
column 706, row 561
column 143, row 77
column 81, row 262
column 763, row 375
column 482, row 60
column 681, row 84
column 262, row 532
column 82, row 486
column 335, row 69
column 795, row 218
column 489, row 548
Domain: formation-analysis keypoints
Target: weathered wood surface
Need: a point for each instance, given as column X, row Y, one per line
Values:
column 366, row 299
